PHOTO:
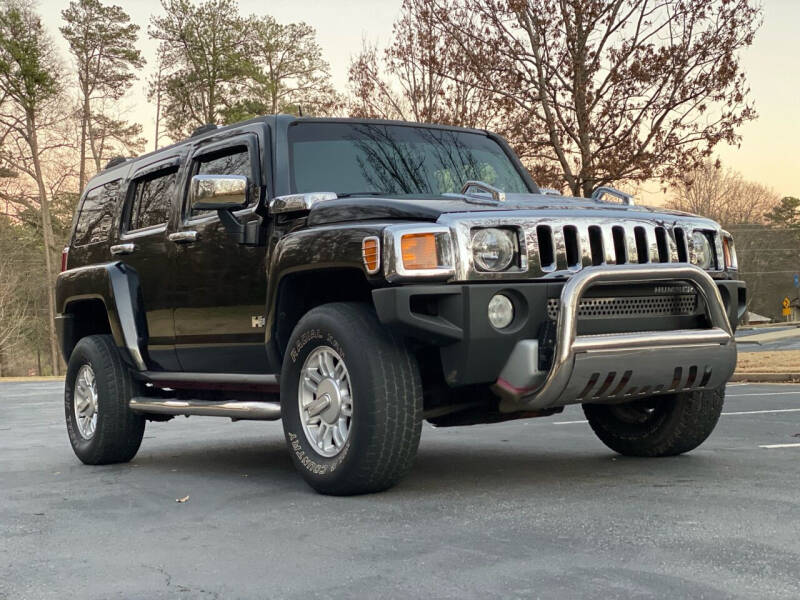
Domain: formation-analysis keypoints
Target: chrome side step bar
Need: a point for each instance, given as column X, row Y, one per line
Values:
column 615, row 368
column 238, row 411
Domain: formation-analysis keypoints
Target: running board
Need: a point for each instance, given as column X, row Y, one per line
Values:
column 238, row 411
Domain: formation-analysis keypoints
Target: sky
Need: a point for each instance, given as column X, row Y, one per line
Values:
column 769, row 152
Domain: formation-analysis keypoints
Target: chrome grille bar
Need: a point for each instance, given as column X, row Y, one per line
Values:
column 563, row 245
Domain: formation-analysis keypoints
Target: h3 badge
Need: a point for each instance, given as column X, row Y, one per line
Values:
column 258, row 322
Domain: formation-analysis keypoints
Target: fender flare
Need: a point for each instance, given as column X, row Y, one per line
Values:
column 117, row 286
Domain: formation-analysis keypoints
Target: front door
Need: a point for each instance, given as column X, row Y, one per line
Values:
column 220, row 284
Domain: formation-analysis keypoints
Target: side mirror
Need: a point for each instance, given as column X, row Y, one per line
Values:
column 218, row 192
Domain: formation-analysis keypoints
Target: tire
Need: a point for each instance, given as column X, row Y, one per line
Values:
column 381, row 383
column 658, row 426
column 117, row 431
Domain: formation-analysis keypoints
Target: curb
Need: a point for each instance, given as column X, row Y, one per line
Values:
column 766, row 377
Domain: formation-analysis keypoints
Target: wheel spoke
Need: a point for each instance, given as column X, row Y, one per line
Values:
column 338, row 438
column 325, row 401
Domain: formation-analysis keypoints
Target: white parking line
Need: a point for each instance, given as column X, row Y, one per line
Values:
column 569, row 422
column 762, row 412
column 764, row 394
column 773, row 446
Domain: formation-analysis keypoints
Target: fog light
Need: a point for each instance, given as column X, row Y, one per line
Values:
column 501, row 311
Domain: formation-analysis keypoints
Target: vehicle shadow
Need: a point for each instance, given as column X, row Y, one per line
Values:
column 444, row 466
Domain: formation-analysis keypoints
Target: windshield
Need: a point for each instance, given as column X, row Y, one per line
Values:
column 374, row 158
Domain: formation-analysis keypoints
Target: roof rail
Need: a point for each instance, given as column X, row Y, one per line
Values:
column 203, row 129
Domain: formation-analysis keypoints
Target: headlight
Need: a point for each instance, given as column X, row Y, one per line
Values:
column 493, row 249
column 701, row 254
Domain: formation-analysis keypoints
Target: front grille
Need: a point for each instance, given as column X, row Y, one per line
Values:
column 630, row 306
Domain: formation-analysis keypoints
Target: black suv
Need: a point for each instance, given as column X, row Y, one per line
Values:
column 354, row 277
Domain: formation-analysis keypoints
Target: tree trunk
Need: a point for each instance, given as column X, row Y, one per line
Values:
column 47, row 233
column 84, row 125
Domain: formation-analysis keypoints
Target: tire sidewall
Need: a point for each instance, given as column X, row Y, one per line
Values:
column 313, row 331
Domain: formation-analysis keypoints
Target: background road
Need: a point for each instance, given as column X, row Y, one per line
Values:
column 536, row 508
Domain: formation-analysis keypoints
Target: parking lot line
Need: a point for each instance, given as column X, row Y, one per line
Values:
column 763, row 394
column 762, row 412
column 773, row 446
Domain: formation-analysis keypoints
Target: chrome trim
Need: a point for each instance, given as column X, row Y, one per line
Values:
column 298, row 202
column 497, row 194
column 576, row 357
column 245, row 411
column 143, row 231
column 218, row 192
column 527, row 222
column 183, row 237
column 393, row 257
column 597, row 195
column 120, row 249
column 364, row 255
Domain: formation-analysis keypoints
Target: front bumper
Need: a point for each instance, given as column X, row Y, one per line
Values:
column 529, row 374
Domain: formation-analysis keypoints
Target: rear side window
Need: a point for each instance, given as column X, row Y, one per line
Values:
column 96, row 214
column 151, row 199
column 231, row 161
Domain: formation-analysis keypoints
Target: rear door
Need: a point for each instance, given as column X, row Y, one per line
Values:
column 220, row 284
column 143, row 244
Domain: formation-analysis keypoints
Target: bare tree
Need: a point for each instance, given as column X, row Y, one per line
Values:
column 603, row 91
column 29, row 87
column 420, row 77
column 13, row 311
column 723, row 195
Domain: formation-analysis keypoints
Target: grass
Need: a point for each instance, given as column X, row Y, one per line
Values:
column 785, row 361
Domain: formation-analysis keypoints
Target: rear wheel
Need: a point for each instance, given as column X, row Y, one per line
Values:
column 351, row 401
column 101, row 426
column 657, row 426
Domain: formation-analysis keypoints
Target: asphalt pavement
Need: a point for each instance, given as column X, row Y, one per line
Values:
column 527, row 509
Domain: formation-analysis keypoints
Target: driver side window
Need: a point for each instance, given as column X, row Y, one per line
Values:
column 230, row 161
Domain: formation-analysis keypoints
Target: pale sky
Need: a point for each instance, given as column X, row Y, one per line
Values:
column 770, row 148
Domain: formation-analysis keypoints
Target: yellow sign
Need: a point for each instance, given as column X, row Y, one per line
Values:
column 787, row 312
column 786, row 304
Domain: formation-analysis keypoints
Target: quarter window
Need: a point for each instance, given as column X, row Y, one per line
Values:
column 151, row 199
column 96, row 214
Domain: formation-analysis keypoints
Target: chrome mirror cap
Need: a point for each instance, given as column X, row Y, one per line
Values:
column 298, row 202
column 218, row 192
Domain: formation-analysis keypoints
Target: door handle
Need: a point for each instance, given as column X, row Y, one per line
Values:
column 119, row 249
column 183, row 237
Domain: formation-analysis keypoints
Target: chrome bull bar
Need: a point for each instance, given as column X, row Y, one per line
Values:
column 613, row 368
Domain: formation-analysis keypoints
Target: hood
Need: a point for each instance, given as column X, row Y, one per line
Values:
column 427, row 208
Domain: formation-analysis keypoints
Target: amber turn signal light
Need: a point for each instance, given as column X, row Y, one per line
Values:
column 419, row 251
column 370, row 252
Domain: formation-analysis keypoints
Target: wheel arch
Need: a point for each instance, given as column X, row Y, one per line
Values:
column 113, row 306
column 300, row 291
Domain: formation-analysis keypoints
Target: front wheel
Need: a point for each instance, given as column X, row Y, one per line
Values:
column 657, row 426
column 351, row 401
